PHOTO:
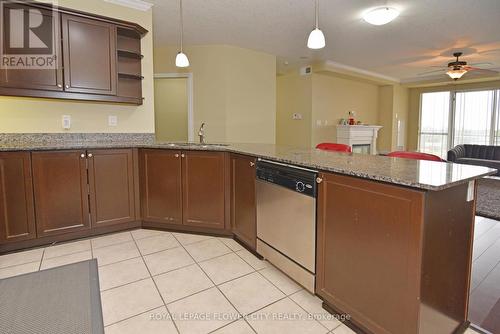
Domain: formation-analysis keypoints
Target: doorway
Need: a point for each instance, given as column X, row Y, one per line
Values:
column 173, row 107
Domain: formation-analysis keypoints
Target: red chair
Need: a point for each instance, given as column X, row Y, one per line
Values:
column 334, row 147
column 415, row 155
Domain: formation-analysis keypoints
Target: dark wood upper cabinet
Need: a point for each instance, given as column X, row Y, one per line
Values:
column 17, row 215
column 61, row 192
column 98, row 59
column 161, row 186
column 243, row 206
column 89, row 48
column 40, row 79
column 111, row 184
column 204, row 189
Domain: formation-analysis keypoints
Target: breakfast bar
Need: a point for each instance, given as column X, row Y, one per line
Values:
column 393, row 236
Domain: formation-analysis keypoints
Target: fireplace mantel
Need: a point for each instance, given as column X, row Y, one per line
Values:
column 358, row 136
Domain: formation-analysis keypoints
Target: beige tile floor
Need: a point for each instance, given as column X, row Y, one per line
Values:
column 162, row 282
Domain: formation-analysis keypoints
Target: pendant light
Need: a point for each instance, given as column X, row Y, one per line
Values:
column 316, row 38
column 181, row 60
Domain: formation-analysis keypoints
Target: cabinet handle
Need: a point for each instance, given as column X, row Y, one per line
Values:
column 82, row 155
column 252, row 163
column 319, row 180
column 67, row 86
column 59, row 85
column 89, row 155
column 176, row 155
column 183, row 155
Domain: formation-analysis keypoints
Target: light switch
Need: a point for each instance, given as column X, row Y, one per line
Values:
column 66, row 122
column 112, row 120
column 297, row 116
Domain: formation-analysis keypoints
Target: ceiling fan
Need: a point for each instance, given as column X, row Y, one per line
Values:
column 456, row 69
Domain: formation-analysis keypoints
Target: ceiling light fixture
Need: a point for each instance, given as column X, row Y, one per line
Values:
column 456, row 74
column 181, row 60
column 381, row 15
column 316, row 38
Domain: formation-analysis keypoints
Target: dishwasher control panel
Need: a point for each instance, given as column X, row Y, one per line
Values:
column 295, row 179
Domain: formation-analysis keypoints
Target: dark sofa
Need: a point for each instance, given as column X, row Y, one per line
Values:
column 480, row 155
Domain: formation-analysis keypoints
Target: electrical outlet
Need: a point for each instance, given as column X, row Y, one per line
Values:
column 297, row 116
column 112, row 120
column 66, row 122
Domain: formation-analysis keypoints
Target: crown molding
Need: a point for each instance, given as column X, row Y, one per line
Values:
column 346, row 69
column 134, row 4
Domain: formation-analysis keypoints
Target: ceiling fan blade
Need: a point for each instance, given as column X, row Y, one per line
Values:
column 430, row 72
column 482, row 70
column 481, row 64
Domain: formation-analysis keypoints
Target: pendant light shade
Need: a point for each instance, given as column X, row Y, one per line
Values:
column 181, row 60
column 316, row 38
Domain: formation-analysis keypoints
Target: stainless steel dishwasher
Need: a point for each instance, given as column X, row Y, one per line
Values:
column 286, row 219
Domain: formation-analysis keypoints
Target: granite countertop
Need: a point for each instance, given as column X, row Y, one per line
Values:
column 427, row 175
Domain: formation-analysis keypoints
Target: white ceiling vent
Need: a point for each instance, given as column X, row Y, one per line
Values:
column 134, row 4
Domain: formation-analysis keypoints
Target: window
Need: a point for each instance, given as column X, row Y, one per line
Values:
column 452, row 118
column 473, row 117
column 434, row 123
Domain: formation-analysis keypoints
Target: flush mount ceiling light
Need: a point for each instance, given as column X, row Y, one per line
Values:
column 316, row 38
column 456, row 74
column 181, row 60
column 380, row 16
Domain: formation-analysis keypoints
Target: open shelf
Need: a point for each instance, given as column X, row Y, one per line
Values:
column 130, row 76
column 129, row 54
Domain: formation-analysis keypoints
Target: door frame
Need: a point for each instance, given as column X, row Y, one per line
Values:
column 189, row 77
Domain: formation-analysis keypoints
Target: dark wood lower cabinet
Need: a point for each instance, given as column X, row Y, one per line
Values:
column 243, row 205
column 61, row 192
column 111, row 181
column 204, row 189
column 161, row 186
column 397, row 260
column 17, row 215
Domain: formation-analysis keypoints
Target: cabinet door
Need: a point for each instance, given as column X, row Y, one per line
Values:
column 61, row 194
column 161, row 186
column 17, row 215
column 111, row 184
column 43, row 79
column 203, row 189
column 89, row 48
column 367, row 256
column 243, row 209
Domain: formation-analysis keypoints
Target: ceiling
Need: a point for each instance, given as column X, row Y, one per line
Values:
column 425, row 34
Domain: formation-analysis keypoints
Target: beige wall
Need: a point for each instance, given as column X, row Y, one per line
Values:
column 414, row 104
column 392, row 109
column 293, row 95
column 44, row 115
column 332, row 99
column 320, row 98
column 171, row 109
column 234, row 90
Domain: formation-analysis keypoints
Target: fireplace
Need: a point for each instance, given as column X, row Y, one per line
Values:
column 362, row 138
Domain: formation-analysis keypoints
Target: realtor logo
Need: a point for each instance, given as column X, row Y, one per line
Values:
column 28, row 35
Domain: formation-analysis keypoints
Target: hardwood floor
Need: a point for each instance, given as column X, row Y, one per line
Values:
column 484, row 305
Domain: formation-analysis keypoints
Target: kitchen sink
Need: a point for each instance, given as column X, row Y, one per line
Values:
column 199, row 144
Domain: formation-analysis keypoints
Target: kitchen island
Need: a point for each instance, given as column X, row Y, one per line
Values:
column 394, row 236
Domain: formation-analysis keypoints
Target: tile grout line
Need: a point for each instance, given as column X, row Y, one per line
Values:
column 41, row 260
column 215, row 285
column 135, row 315
column 156, row 286
column 311, row 314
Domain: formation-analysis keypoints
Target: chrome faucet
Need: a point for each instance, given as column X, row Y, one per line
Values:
column 201, row 133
